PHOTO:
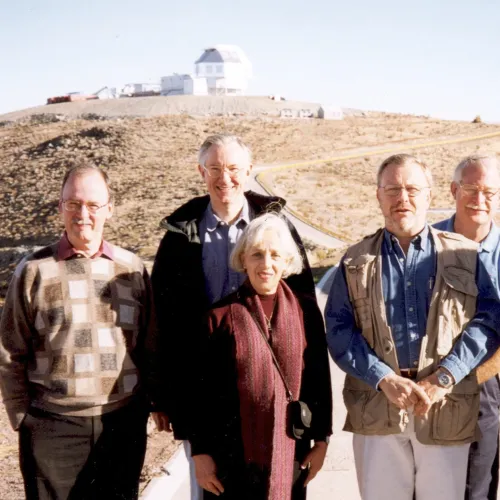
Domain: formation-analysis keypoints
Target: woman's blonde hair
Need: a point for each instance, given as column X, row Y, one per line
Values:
column 254, row 233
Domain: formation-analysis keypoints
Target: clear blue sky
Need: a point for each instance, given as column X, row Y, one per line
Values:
column 437, row 57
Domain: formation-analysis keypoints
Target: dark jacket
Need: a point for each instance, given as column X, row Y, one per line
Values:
column 181, row 303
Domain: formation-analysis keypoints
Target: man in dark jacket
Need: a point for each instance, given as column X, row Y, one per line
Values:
column 191, row 272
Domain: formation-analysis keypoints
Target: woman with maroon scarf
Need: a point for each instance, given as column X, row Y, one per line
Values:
column 240, row 444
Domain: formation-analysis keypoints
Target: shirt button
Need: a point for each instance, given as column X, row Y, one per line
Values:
column 401, row 260
column 233, row 288
column 408, row 283
column 410, row 309
column 415, row 363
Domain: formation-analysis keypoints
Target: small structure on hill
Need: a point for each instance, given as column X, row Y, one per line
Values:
column 329, row 112
column 220, row 70
column 71, row 97
column 140, row 90
column 183, row 85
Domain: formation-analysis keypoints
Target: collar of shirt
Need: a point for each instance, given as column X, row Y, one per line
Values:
column 213, row 221
column 491, row 241
column 488, row 244
column 450, row 225
column 419, row 241
column 65, row 249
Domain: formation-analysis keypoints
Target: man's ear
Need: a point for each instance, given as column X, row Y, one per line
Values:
column 429, row 196
column 202, row 171
column 111, row 210
column 453, row 189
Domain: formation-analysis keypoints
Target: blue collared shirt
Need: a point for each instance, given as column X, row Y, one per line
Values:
column 407, row 282
column 218, row 239
column 349, row 348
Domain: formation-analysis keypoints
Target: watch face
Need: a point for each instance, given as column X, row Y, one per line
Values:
column 444, row 380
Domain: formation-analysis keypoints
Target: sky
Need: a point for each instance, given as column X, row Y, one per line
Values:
column 432, row 57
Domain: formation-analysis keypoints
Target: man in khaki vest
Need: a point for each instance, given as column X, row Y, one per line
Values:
column 475, row 189
column 406, row 323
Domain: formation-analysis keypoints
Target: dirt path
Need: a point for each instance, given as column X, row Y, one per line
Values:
column 319, row 236
column 262, row 183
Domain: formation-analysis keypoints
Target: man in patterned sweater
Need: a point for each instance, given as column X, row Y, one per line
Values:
column 74, row 336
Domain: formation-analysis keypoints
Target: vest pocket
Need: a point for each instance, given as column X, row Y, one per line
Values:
column 455, row 417
column 367, row 410
column 358, row 278
column 363, row 313
column 376, row 412
column 458, row 306
column 355, row 403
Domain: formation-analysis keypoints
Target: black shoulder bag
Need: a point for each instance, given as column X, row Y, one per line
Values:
column 299, row 415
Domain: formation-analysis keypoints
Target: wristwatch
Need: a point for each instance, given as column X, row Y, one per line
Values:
column 445, row 380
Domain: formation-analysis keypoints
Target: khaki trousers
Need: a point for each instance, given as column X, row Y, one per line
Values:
column 398, row 467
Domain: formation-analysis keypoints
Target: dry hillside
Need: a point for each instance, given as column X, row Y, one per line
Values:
column 152, row 160
column 344, row 192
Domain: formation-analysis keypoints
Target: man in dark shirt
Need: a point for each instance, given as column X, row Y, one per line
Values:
column 191, row 272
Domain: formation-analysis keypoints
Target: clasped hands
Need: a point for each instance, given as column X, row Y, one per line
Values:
column 406, row 393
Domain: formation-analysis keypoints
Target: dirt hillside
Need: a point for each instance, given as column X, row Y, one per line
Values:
column 152, row 163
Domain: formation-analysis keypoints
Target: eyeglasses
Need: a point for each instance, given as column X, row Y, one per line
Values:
column 394, row 191
column 76, row 206
column 216, row 172
column 473, row 190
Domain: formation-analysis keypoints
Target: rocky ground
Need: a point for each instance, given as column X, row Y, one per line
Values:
column 152, row 163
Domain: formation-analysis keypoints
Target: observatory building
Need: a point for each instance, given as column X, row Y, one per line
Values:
column 220, row 70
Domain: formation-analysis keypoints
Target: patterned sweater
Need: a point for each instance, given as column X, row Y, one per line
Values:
column 74, row 332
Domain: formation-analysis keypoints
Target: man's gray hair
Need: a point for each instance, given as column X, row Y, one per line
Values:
column 222, row 140
column 401, row 160
column 253, row 234
column 479, row 158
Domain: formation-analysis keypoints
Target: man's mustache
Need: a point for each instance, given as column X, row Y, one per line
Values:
column 82, row 221
column 402, row 207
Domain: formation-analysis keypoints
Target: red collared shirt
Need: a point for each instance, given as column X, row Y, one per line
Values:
column 65, row 250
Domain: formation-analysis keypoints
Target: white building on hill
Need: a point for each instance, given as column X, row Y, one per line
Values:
column 220, row 70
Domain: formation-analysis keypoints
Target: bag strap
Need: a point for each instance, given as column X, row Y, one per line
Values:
column 289, row 394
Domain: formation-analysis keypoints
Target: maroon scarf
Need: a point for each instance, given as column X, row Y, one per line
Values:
column 262, row 393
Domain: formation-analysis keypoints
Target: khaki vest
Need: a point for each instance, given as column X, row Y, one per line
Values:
column 453, row 303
